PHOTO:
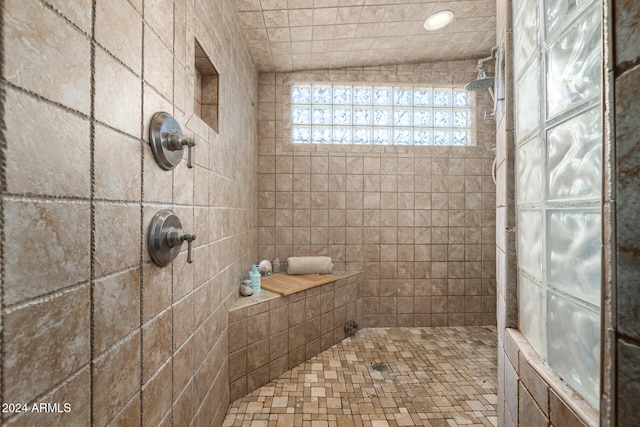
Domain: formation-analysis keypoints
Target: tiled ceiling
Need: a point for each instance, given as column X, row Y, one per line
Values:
column 292, row 35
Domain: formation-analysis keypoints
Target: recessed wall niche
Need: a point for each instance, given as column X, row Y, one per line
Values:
column 206, row 88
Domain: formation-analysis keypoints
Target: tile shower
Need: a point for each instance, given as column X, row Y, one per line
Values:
column 137, row 340
column 88, row 319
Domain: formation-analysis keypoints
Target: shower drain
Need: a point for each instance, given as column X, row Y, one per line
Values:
column 380, row 367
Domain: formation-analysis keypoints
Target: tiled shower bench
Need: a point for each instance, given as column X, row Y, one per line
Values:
column 270, row 334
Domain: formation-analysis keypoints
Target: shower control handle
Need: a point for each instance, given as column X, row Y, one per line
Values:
column 175, row 141
column 166, row 236
column 167, row 141
column 175, row 237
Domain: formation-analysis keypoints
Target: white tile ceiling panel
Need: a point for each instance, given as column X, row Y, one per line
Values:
column 292, row 35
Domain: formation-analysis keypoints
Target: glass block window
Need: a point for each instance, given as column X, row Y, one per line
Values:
column 558, row 116
column 380, row 115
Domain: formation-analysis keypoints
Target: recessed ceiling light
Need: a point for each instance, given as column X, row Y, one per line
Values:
column 438, row 20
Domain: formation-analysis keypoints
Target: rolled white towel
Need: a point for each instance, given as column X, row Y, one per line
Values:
column 309, row 265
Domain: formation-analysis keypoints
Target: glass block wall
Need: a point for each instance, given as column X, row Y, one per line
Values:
column 557, row 71
column 381, row 115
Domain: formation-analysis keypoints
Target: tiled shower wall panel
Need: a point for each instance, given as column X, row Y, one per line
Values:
column 87, row 319
column 506, row 303
column 418, row 221
column 624, row 73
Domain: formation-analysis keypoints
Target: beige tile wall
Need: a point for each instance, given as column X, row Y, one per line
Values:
column 506, row 302
column 87, row 319
column 622, row 308
column 419, row 221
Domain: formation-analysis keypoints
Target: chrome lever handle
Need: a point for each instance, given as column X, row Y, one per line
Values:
column 175, row 141
column 191, row 144
column 189, row 247
column 175, row 237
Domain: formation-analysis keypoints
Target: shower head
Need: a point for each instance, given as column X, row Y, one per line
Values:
column 482, row 81
column 479, row 84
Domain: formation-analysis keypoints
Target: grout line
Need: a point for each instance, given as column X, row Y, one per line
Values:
column 142, row 145
column 67, row 109
column 122, row 409
column 41, row 298
column 118, row 343
column 115, row 58
column 44, row 100
column 92, row 256
column 52, row 8
column 173, row 269
column 3, row 189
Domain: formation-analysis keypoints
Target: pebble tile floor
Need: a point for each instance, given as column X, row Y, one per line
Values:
column 436, row 376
